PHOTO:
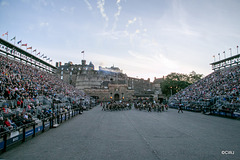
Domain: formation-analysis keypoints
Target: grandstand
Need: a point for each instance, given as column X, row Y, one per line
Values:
column 23, row 56
column 218, row 93
column 30, row 92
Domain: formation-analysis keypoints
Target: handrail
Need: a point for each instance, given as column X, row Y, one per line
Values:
column 57, row 119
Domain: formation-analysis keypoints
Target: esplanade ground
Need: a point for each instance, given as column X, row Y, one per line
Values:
column 135, row 135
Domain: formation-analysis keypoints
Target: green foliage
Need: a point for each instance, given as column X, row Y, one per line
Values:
column 174, row 82
column 194, row 77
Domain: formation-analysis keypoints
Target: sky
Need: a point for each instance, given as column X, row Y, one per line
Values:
column 144, row 38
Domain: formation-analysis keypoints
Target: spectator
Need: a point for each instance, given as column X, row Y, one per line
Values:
column 23, row 85
column 12, row 123
column 16, row 121
column 222, row 85
column 8, row 124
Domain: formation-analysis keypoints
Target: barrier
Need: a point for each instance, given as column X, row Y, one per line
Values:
column 222, row 113
column 236, row 114
column 31, row 130
column 210, row 111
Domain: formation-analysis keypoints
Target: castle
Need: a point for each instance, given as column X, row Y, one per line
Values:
column 107, row 84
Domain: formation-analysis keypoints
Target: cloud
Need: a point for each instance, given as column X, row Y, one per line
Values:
column 150, row 66
column 114, row 34
column 44, row 24
column 135, row 34
column 68, row 10
column 88, row 4
column 154, row 62
column 140, row 21
column 137, row 31
column 102, row 10
column 182, row 21
column 131, row 21
column 116, row 15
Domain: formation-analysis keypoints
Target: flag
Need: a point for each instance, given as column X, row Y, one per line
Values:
column 34, row 50
column 230, row 48
column 214, row 56
column 38, row 53
column 237, row 46
column 218, row 53
column 5, row 34
column 24, row 44
column 48, row 59
column 45, row 57
column 14, row 38
column 82, row 52
column 42, row 55
column 29, row 48
column 19, row 42
column 223, row 51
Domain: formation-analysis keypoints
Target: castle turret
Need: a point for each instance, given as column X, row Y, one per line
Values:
column 83, row 62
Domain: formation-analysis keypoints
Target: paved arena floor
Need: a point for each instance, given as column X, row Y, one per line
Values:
column 135, row 135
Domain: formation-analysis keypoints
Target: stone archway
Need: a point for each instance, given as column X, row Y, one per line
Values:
column 116, row 97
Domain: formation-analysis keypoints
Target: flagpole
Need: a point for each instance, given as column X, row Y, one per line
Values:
column 83, row 54
column 15, row 41
column 230, row 51
column 237, row 49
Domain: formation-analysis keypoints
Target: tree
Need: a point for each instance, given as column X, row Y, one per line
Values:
column 174, row 82
column 194, row 77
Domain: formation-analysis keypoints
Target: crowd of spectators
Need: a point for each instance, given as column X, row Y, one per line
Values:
column 24, row 84
column 222, row 85
column 18, row 80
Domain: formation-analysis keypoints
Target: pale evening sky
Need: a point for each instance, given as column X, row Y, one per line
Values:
column 144, row 38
